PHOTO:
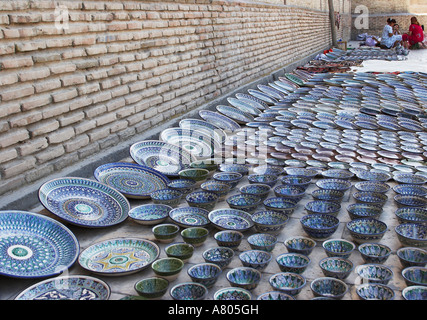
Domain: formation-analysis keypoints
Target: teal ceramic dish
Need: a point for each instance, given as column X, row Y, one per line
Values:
column 188, row 291
column 244, row 277
column 168, row 268
column 152, row 288
column 180, row 250
column 165, row 233
column 195, row 236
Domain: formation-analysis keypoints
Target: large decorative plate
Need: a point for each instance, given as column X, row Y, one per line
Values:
column 231, row 219
column 132, row 180
column 117, row 257
column 235, row 114
column 255, row 102
column 241, row 105
column 34, row 246
column 164, row 157
column 190, row 217
column 194, row 142
column 219, row 120
column 67, row 288
column 84, row 202
column 204, row 126
column 270, row 91
column 262, row 96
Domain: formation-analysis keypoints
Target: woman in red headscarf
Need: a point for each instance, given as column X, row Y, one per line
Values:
column 415, row 34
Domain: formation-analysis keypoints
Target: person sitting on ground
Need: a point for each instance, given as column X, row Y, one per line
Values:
column 396, row 29
column 415, row 36
column 389, row 39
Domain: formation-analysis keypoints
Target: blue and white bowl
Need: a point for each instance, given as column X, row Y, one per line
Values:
column 184, row 186
column 205, row 273
column 338, row 248
column 378, row 199
column 372, row 186
column 293, row 262
column 375, row 291
column 150, row 214
column 244, row 277
column 336, row 267
column 188, row 291
column 299, row 181
column 202, row 199
column 280, row 204
column 412, row 234
column 233, row 294
column 244, row 202
column 228, row 238
column 415, row 293
column 410, row 189
column 262, row 241
column 412, row 257
column 168, row 197
column 288, row 282
column 328, row 195
column 364, row 210
column 269, row 221
column 404, row 200
column 299, row 244
column 268, row 179
column 319, row 226
column 374, row 273
column 220, row 256
column 329, row 287
column 231, row 178
column 366, row 229
column 324, row 207
column 190, row 217
column 221, row 189
column 275, row 295
column 374, row 252
column 415, row 276
column 334, row 184
column 293, row 193
column 412, row 215
column 257, row 189
column 256, row 259
column 234, row 167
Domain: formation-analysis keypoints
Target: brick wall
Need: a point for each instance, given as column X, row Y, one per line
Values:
column 115, row 69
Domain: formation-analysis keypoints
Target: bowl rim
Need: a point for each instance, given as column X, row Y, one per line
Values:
column 348, row 261
column 303, row 256
column 383, row 224
column 269, row 255
column 341, row 240
column 205, row 290
column 249, row 269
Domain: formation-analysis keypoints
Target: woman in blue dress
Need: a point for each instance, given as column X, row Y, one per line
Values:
column 389, row 39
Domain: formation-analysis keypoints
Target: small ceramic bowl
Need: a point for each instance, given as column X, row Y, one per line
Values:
column 150, row 214
column 374, row 273
column 374, row 291
column 415, row 276
column 415, row 293
column 220, row 256
column 232, row 294
column 195, row 236
column 302, row 245
column 333, row 184
column 268, row 179
column 168, row 197
column 202, row 199
column 372, row 186
column 180, row 250
column 234, row 167
column 336, row 267
column 412, row 234
column 205, row 273
column 221, row 189
column 366, row 230
column 152, row 288
column 411, row 215
column 244, row 277
column 269, row 221
column 301, row 172
column 409, row 189
column 299, row 181
column 228, row 238
column 412, row 257
column 231, row 178
column 328, row 195
column 184, row 186
column 257, row 189
column 338, row 248
column 374, row 252
column 275, row 295
column 196, row 174
column 294, row 193
column 288, row 282
column 280, row 204
column 262, row 241
column 329, row 287
column 208, row 164
column 364, row 210
column 378, row 199
column 321, row 206
column 404, row 200
column 165, row 233
column 269, row 169
column 245, row 202
column 167, row 268
column 189, row 217
column 293, row 262
column 256, row 259
column 319, row 226
column 188, row 291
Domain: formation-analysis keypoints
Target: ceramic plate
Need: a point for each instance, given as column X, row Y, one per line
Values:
column 34, row 246
column 245, row 107
column 219, row 120
column 237, row 115
column 161, row 156
column 210, row 129
column 262, row 96
column 117, row 257
column 231, row 219
column 67, row 288
column 255, row 102
column 84, row 202
column 190, row 217
column 132, row 180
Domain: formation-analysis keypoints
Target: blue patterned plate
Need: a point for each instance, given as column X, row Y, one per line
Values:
column 219, row 120
column 231, row 219
column 84, row 202
column 132, row 180
column 241, row 105
column 262, row 96
column 164, row 157
column 198, row 125
column 117, row 257
column 190, row 217
column 34, row 246
column 255, row 102
column 235, row 114
column 67, row 288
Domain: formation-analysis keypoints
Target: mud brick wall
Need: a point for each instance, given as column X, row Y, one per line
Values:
column 75, row 83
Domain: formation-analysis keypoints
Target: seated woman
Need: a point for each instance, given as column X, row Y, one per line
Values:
column 389, row 39
column 415, row 36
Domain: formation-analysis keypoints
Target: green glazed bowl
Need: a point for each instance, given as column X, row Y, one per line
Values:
column 168, row 268
column 152, row 288
column 180, row 250
column 165, row 233
column 195, row 236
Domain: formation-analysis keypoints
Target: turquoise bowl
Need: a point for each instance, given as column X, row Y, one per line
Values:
column 244, row 202
column 152, row 288
column 220, row 256
column 165, row 233
column 293, row 262
column 415, row 276
column 295, row 193
column 280, row 204
column 335, row 267
column 415, row 293
column 374, row 252
column 288, row 282
column 256, row 259
column 150, row 214
column 364, row 210
column 412, row 234
column 262, row 241
column 374, row 273
column 244, row 277
column 256, row 189
column 338, row 248
column 411, row 215
column 375, row 291
column 267, row 179
column 231, row 178
column 322, row 206
column 269, row 221
column 233, row 294
column 299, row 244
column 228, row 238
column 319, row 226
column 168, row 197
column 329, row 287
column 184, row 186
column 221, row 189
column 366, row 229
column 202, row 199
column 299, row 181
